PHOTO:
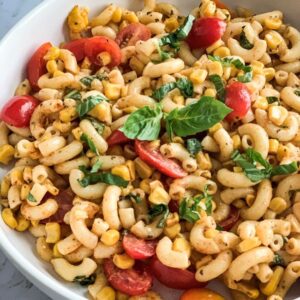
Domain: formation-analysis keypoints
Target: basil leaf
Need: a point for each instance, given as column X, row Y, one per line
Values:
column 219, row 227
column 73, row 94
column 143, row 124
column 247, row 77
column 273, row 99
column 284, row 169
column 193, row 146
column 219, row 85
column 96, row 166
column 88, row 104
column 297, row 93
column 244, row 42
column 31, row 198
column 163, row 54
column 157, row 210
column 87, row 80
column 254, row 156
column 186, row 213
column 84, row 170
column 97, row 124
column 226, row 62
column 196, row 117
column 89, row 142
column 161, row 92
column 83, row 280
column 278, row 260
column 208, row 205
column 136, row 198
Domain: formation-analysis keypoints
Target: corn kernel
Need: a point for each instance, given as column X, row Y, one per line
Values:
column 78, row 19
column 236, row 139
column 270, row 287
column 123, row 24
column 9, row 218
column 5, row 185
column 56, row 253
column 208, row 9
column 198, row 76
column 104, row 57
column 77, row 132
column 51, row 66
column 143, row 170
column 269, row 73
column 272, row 23
column 248, row 244
column 250, row 199
column 178, row 99
column 16, row 177
column 6, row 154
column 273, row 40
column 215, row 68
column 273, row 146
column 171, row 23
column 25, row 189
column 52, row 232
column 261, row 102
column 110, row 237
column 214, row 46
column 210, row 233
column 257, row 67
column 123, row 261
column 222, row 52
column 215, row 128
column 130, row 16
column 117, row 15
column 23, row 224
column 106, row 293
column 136, row 65
column 112, row 90
column 122, row 171
column 277, row 114
column 237, row 169
column 145, row 185
column 172, row 231
column 181, row 245
column 172, row 219
column 131, row 167
column 52, row 54
column 159, row 196
column 27, row 174
column 68, row 114
column 204, row 161
column 278, row 205
column 283, row 151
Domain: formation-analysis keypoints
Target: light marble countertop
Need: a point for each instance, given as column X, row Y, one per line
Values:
column 13, row 285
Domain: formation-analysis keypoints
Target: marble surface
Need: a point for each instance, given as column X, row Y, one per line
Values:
column 13, row 285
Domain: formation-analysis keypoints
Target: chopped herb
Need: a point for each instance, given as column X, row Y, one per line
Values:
column 88, row 104
column 193, row 146
column 87, row 80
column 273, row 99
column 84, row 138
column 219, row 85
column 163, row 54
column 247, row 77
column 244, row 42
column 161, row 92
column 278, row 260
column 219, row 227
column 83, row 280
column 73, row 94
column 97, row 124
column 31, row 198
column 136, row 198
column 157, row 210
column 96, row 166
column 297, row 93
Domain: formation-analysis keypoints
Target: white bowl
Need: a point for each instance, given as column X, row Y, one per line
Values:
column 46, row 23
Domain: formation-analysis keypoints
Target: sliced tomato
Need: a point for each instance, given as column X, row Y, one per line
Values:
column 205, row 32
column 95, row 45
column 36, row 66
column 134, row 281
column 18, row 110
column 233, row 217
column 201, row 294
column 138, row 248
column 158, row 161
column 173, row 278
column 77, row 48
column 65, row 204
column 117, row 137
column 238, row 98
column 133, row 33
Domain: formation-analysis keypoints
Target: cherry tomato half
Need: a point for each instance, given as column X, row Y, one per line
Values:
column 18, row 110
column 173, row 278
column 201, row 294
column 158, row 161
column 134, row 281
column 117, row 137
column 36, row 66
column 77, row 48
column 97, row 44
column 233, row 217
column 238, row 98
column 138, row 248
column 133, row 33
column 205, row 32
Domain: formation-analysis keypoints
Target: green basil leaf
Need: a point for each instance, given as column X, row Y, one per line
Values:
column 97, row 124
column 254, row 156
column 161, row 92
column 143, row 124
column 136, row 198
column 244, row 42
column 72, row 94
column 31, row 198
column 196, row 117
column 96, row 166
column 163, row 54
column 157, row 210
column 273, row 99
column 83, row 280
column 219, row 85
column 84, row 170
column 226, row 62
column 87, row 80
column 186, row 213
column 284, row 169
column 278, row 260
column 89, row 142
column 219, row 227
column 185, row 86
column 208, row 205
column 193, row 146
column 247, row 77
column 88, row 104
column 297, row 93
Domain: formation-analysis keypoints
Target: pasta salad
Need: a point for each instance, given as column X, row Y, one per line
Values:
column 156, row 145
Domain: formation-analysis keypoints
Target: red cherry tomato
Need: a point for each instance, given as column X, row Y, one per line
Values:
column 233, row 217
column 18, row 110
column 138, row 248
column 238, row 98
column 135, row 281
column 205, row 32
column 95, row 45
column 174, row 278
column 36, row 66
column 201, row 294
column 117, row 137
column 158, row 161
column 133, row 33
column 77, row 48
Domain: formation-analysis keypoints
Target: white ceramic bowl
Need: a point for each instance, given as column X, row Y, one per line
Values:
column 46, row 23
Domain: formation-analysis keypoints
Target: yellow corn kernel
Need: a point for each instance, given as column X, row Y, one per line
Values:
column 261, row 102
column 130, row 16
column 68, row 114
column 282, row 152
column 23, row 224
column 277, row 114
column 250, row 199
column 16, row 177
column 143, row 170
column 121, row 296
column 110, row 237
column 106, row 293
column 204, row 161
column 136, row 65
column 56, row 253
column 273, row 23
column 123, row 24
column 236, row 139
column 51, row 66
column 112, row 90
column 270, row 287
column 6, row 154
column 237, row 169
column 52, row 232
column 52, row 54
column 198, row 76
column 181, row 245
column 123, row 261
column 215, row 128
column 117, row 15
column 25, row 189
column 9, row 218
column 58, row 73
column 178, row 99
column 131, row 167
column 248, row 244
column 172, row 231
column 222, row 51
column 273, row 40
column 171, row 23
column 210, row 92
column 278, row 205
column 215, row 68
column 159, row 196
column 77, row 132
column 172, row 219
column 214, row 46
column 208, row 9
column 78, row 19
column 145, row 185
column 122, row 171
column 273, row 146
column 104, row 57
column 5, row 185
column 210, row 233
column 269, row 73
column 257, row 67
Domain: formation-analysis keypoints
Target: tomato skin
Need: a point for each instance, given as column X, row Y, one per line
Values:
column 18, row 110
column 201, row 294
column 133, row 282
column 138, row 248
column 238, row 98
column 36, row 66
column 97, row 44
column 117, row 137
column 221, row 5
column 205, row 32
column 77, row 48
column 133, row 33
column 158, row 161
column 233, row 217
column 173, row 278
